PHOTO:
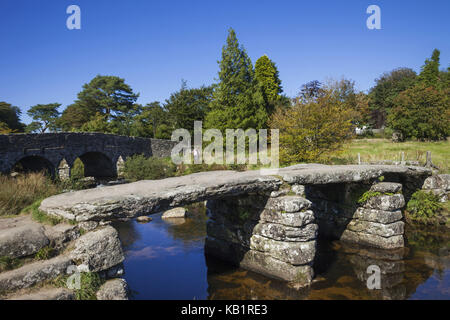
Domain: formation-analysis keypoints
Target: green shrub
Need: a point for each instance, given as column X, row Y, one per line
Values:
column 139, row 167
column 423, row 205
column 90, row 282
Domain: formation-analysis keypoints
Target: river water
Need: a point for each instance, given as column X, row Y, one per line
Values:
column 165, row 260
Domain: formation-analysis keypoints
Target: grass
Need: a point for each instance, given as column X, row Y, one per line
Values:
column 19, row 192
column 40, row 216
column 90, row 282
column 8, row 263
column 384, row 149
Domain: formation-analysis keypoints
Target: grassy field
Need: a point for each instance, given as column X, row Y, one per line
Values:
column 384, row 149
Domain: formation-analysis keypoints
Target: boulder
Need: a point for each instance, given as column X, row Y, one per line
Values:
column 280, row 232
column 46, row 294
column 33, row 273
column 386, row 187
column 380, row 229
column 175, row 213
column 372, row 240
column 288, row 204
column 441, row 181
column 379, row 216
column 386, row 202
column 143, row 219
column 116, row 289
column 88, row 225
column 295, row 253
column 21, row 237
column 61, row 234
column 98, row 250
column 293, row 219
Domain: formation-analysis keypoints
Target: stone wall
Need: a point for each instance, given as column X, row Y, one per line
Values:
column 274, row 236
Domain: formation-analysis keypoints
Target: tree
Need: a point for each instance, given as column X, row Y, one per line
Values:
column 188, row 105
column 429, row 74
column 313, row 130
column 310, row 91
column 10, row 118
column 45, row 117
column 74, row 116
column 108, row 95
column 383, row 94
column 422, row 112
column 236, row 103
column 267, row 77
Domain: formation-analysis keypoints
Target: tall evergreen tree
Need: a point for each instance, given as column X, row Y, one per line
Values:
column 235, row 102
column 429, row 74
column 267, row 77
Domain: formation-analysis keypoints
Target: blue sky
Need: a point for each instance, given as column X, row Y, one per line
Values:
column 156, row 44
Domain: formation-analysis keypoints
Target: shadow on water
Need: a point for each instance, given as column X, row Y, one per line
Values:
column 165, row 260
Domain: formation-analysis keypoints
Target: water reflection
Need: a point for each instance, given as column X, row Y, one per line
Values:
column 165, row 260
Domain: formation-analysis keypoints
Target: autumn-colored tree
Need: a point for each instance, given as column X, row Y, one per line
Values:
column 313, row 130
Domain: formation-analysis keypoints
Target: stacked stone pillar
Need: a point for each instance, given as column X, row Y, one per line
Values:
column 275, row 235
column 378, row 222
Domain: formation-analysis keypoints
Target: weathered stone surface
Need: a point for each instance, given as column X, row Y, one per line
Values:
column 441, row 181
column 175, row 213
column 98, row 250
column 20, row 237
column 34, row 273
column 116, row 289
column 46, row 294
column 293, row 219
column 288, row 204
column 373, row 240
column 281, row 232
column 61, row 234
column 380, row 229
column 440, row 193
column 295, row 253
column 279, row 193
column 61, row 149
column 386, row 202
column 145, row 197
column 298, row 189
column 88, row 225
column 379, row 216
column 259, row 262
column 386, row 187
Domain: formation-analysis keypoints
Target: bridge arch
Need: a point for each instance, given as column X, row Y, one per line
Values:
column 34, row 163
column 98, row 165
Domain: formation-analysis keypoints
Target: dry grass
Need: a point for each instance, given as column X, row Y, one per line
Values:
column 16, row 193
column 383, row 149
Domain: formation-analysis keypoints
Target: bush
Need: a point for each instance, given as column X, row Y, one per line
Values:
column 139, row 167
column 423, row 205
column 19, row 192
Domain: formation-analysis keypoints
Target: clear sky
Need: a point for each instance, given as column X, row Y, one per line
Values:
column 155, row 44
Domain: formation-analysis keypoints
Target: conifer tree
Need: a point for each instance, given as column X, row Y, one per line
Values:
column 236, row 101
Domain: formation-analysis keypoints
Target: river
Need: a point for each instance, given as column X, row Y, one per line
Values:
column 165, row 260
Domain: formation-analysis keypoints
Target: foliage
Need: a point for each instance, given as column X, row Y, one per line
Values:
column 429, row 74
column 45, row 253
column 313, row 130
column 45, row 117
column 90, row 283
column 237, row 101
column 386, row 89
column 366, row 196
column 138, row 167
column 40, row 216
column 268, row 80
column 74, row 116
column 8, row 263
column 423, row 205
column 422, row 113
column 10, row 119
column 188, row 105
column 23, row 191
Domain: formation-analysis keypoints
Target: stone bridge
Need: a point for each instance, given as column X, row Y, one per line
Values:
column 268, row 224
column 101, row 154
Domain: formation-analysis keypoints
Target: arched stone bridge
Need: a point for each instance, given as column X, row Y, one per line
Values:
column 101, row 154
